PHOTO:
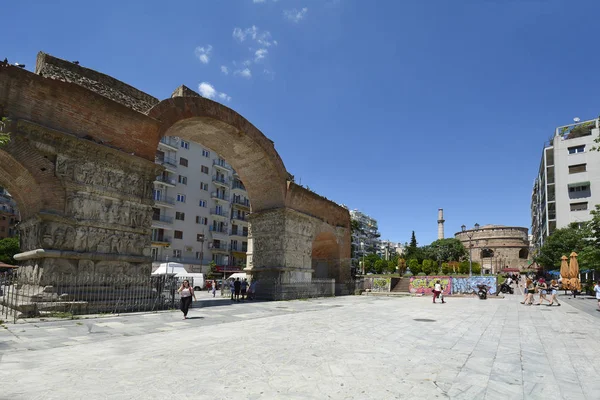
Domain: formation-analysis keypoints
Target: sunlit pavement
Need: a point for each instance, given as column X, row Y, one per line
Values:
column 353, row 347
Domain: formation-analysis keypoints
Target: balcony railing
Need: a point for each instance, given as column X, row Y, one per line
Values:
column 221, row 180
column 240, row 249
column 166, row 161
column 219, row 246
column 239, row 217
column 219, row 196
column 164, row 199
column 216, row 229
column 238, row 232
column 182, row 260
column 166, row 180
column 161, row 239
column 162, row 218
column 220, row 213
column 169, row 142
column 238, row 185
column 241, row 202
column 222, row 164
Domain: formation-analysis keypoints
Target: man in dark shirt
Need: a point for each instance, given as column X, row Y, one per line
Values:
column 237, row 285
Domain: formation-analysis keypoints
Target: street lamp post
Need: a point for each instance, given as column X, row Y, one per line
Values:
column 469, row 234
column 362, row 249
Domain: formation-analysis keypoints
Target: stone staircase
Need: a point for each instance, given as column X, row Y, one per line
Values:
column 401, row 286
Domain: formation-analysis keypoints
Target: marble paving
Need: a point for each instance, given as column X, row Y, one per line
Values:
column 353, row 347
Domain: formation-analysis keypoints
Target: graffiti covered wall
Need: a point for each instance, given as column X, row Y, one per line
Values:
column 469, row 285
column 425, row 284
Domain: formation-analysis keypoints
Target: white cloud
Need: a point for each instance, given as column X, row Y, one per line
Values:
column 260, row 54
column 224, row 70
column 207, row 90
column 203, row 53
column 245, row 73
column 295, row 15
column 263, row 38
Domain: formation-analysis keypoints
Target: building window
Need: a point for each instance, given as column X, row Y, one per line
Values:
column 185, row 145
column 177, row 253
column 234, row 245
column 574, row 169
column 582, row 188
column 180, row 216
column 178, row 235
column 523, row 254
column 203, row 186
column 181, row 198
column 200, row 237
column 204, row 169
column 198, row 255
column 577, row 149
column 202, row 203
column 183, row 180
column 201, row 220
column 205, row 153
column 183, row 161
column 579, row 206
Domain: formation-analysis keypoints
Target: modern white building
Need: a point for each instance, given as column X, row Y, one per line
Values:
column 388, row 249
column 201, row 209
column 365, row 238
column 567, row 186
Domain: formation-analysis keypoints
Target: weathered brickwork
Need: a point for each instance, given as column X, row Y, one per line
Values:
column 80, row 165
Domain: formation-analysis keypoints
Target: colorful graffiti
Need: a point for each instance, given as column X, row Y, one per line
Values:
column 469, row 285
column 425, row 284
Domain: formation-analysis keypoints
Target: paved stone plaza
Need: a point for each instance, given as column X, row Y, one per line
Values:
column 353, row 347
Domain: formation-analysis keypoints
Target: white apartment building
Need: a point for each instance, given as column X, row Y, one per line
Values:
column 388, row 249
column 365, row 239
column 567, row 186
column 201, row 209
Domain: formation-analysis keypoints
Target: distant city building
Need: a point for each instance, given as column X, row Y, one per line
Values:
column 201, row 209
column 567, row 186
column 388, row 249
column 365, row 236
column 9, row 215
column 496, row 247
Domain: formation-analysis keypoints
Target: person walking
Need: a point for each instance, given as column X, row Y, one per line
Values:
column 597, row 290
column 232, row 287
column 236, row 286
column 244, row 287
column 252, row 289
column 214, row 288
column 553, row 293
column 543, row 289
column 437, row 291
column 529, row 292
column 186, row 292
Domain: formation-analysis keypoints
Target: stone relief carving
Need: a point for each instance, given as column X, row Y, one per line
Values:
column 86, row 207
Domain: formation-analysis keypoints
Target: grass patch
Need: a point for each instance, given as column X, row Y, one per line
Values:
column 79, row 323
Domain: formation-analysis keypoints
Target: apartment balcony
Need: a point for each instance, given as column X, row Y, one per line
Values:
column 167, row 162
column 159, row 240
column 162, row 221
column 182, row 260
column 219, row 213
column 220, row 248
column 241, row 203
column 164, row 201
column 216, row 231
column 222, row 165
column 237, row 185
column 239, row 249
column 239, row 218
column 163, row 180
column 239, row 233
column 168, row 143
column 219, row 196
column 221, row 181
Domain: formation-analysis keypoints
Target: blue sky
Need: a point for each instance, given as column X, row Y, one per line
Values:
column 396, row 108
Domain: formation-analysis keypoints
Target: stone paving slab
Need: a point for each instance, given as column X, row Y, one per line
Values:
column 353, row 347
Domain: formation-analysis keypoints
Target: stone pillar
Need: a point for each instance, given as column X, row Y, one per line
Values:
column 104, row 230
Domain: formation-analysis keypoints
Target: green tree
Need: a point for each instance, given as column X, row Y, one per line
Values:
column 412, row 249
column 562, row 242
column 392, row 265
column 447, row 250
column 8, row 248
column 414, row 266
column 446, row 268
column 380, row 266
column 428, row 266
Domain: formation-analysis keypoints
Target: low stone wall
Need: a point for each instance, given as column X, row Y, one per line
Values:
column 452, row 284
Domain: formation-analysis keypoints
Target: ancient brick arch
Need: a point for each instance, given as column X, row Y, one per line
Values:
column 325, row 255
column 223, row 130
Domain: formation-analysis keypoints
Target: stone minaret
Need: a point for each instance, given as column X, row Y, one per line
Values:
column 440, row 223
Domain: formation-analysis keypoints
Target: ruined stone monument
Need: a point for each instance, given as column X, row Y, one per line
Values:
column 80, row 165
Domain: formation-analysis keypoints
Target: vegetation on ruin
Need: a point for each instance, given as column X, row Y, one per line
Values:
column 4, row 136
column 8, row 248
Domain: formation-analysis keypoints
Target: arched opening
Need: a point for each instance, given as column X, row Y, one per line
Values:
column 487, row 253
column 325, row 255
column 523, row 254
column 217, row 167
